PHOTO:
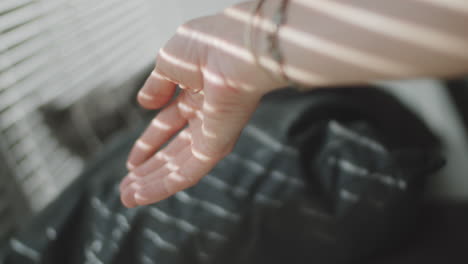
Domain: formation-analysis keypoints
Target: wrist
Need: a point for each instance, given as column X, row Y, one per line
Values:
column 264, row 30
column 252, row 37
column 258, row 28
column 268, row 46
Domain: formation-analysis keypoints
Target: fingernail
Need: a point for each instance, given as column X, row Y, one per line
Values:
column 130, row 166
column 123, row 184
column 132, row 176
column 135, row 186
column 127, row 198
column 145, row 96
column 139, row 197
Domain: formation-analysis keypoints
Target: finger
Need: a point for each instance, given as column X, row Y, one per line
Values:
column 127, row 198
column 180, row 142
column 162, row 186
column 152, row 184
column 158, row 160
column 172, row 63
column 161, row 129
column 173, row 164
column 126, row 181
column 156, row 91
column 128, row 192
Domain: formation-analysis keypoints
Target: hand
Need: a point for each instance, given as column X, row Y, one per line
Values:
column 221, row 87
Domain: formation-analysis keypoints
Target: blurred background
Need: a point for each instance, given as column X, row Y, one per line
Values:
column 69, row 73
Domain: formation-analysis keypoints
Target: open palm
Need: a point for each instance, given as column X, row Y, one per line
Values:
column 221, row 87
column 204, row 126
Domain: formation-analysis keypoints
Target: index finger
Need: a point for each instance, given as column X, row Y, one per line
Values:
column 156, row 91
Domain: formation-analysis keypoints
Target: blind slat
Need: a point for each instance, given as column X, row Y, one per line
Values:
column 56, row 52
column 8, row 5
column 19, row 17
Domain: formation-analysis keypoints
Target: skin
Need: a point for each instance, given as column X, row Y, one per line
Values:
column 324, row 43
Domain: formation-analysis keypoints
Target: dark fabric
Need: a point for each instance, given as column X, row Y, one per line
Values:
column 440, row 237
column 458, row 89
column 331, row 176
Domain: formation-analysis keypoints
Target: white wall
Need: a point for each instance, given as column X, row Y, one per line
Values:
column 170, row 14
column 191, row 9
column 430, row 100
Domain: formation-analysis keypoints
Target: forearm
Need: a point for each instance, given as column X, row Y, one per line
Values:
column 335, row 42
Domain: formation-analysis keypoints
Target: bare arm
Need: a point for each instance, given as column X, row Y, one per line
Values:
column 332, row 42
column 325, row 43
